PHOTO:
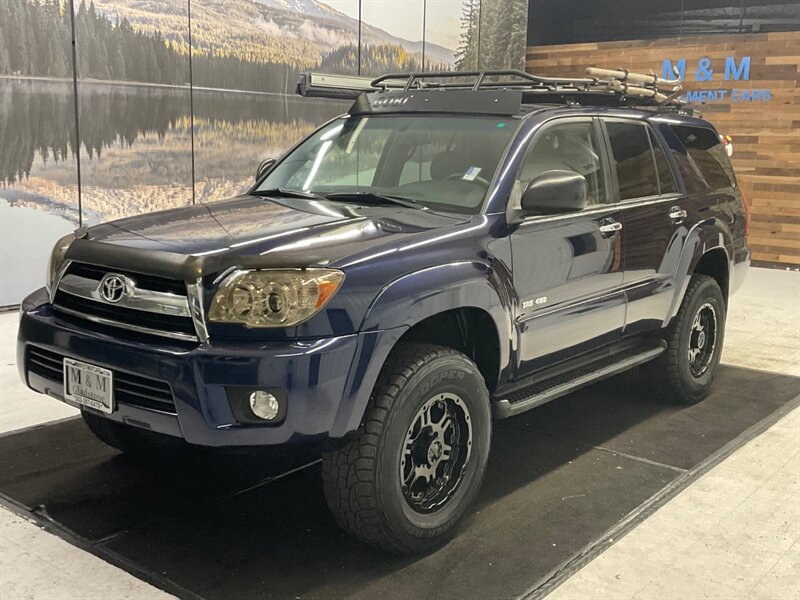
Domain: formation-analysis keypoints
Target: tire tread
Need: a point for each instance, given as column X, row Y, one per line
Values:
column 349, row 483
column 671, row 375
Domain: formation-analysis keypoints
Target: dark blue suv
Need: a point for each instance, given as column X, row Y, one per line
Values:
column 454, row 249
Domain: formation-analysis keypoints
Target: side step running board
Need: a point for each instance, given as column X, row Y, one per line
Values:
column 505, row 408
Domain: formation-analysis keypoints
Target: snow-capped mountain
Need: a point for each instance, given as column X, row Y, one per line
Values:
column 314, row 9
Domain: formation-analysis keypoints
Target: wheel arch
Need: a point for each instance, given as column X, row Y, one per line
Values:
column 454, row 305
column 464, row 306
column 708, row 250
column 715, row 263
column 469, row 330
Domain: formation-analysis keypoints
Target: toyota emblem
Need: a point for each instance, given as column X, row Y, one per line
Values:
column 113, row 287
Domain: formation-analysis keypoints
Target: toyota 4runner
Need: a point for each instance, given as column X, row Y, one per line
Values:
column 456, row 248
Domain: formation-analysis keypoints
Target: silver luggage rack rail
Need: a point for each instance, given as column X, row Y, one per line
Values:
column 600, row 86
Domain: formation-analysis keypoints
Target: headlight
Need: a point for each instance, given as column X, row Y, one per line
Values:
column 57, row 258
column 273, row 298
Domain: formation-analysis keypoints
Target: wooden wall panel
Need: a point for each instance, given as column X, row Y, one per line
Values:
column 766, row 135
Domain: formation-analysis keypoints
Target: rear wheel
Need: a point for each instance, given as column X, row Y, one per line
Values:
column 418, row 458
column 694, row 342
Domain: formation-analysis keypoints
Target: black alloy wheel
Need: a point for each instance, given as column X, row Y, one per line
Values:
column 686, row 370
column 416, row 463
column 435, row 452
column 702, row 339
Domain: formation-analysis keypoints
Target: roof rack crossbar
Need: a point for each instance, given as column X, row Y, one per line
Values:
column 626, row 86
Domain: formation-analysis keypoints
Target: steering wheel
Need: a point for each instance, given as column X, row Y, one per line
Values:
column 476, row 179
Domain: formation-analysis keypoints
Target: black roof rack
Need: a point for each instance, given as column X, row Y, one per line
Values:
column 601, row 86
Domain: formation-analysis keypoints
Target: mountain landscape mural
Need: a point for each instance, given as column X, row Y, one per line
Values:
column 141, row 108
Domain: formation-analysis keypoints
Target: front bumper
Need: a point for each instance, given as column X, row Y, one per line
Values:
column 327, row 381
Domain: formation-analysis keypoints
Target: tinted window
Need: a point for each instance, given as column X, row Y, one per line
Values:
column 706, row 155
column 665, row 179
column 636, row 171
column 567, row 147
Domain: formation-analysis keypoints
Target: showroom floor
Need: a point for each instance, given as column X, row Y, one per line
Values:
column 706, row 498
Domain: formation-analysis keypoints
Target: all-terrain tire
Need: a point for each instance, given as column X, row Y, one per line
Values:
column 685, row 381
column 365, row 484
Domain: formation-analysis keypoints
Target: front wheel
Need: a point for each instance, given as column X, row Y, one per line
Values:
column 418, row 458
column 694, row 342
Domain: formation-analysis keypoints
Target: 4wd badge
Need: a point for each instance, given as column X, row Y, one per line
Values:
column 536, row 302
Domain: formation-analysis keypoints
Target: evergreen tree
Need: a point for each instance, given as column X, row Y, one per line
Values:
column 5, row 59
column 35, row 39
column 493, row 35
column 518, row 40
column 116, row 61
column 467, row 52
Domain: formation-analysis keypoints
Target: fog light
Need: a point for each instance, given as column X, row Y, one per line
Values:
column 264, row 405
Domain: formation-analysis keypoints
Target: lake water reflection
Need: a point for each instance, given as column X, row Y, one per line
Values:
column 135, row 154
column 27, row 238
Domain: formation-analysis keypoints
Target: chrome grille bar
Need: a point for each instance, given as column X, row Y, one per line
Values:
column 162, row 303
column 136, row 328
column 149, row 304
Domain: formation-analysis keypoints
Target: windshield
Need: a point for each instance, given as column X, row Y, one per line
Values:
column 440, row 162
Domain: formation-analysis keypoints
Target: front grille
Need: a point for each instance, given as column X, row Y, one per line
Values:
column 151, row 319
column 147, row 282
column 46, row 364
column 127, row 316
column 129, row 389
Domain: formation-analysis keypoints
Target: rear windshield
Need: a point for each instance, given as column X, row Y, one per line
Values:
column 707, row 156
column 442, row 162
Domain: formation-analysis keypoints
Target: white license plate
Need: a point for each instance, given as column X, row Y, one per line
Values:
column 89, row 385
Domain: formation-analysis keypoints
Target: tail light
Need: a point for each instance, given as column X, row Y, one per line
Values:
column 746, row 210
column 727, row 143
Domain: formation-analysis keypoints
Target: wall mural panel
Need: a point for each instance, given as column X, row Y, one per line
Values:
column 503, row 31
column 133, row 95
column 392, row 37
column 246, row 57
column 139, row 115
column 38, row 165
column 451, row 34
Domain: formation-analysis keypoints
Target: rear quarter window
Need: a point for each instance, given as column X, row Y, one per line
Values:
column 707, row 156
column 665, row 179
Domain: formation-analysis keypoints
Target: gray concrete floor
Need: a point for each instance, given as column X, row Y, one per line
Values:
column 19, row 406
column 734, row 533
column 37, row 564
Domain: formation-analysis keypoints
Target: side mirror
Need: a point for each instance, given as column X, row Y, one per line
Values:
column 555, row 192
column 265, row 166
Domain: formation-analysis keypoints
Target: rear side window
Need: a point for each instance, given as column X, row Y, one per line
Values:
column 707, row 155
column 633, row 157
column 665, row 179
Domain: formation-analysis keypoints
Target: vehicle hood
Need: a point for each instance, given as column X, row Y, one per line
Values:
column 251, row 231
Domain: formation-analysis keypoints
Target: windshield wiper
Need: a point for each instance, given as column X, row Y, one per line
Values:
column 288, row 193
column 371, row 197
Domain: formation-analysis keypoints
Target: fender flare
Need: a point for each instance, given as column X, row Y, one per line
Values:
column 415, row 296
column 407, row 301
column 705, row 236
